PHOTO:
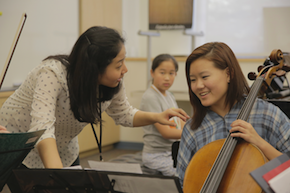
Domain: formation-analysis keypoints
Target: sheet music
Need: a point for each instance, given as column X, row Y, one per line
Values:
column 135, row 184
column 77, row 167
column 280, row 183
column 115, row 167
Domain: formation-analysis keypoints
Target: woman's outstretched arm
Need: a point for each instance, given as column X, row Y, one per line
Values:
column 143, row 118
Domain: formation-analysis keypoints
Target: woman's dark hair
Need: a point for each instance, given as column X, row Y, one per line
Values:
column 161, row 58
column 223, row 57
column 92, row 53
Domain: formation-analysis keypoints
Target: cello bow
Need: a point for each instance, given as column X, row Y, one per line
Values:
column 13, row 47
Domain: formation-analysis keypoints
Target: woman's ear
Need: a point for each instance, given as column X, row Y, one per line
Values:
column 228, row 75
column 152, row 73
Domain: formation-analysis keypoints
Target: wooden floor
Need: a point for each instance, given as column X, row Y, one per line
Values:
column 107, row 155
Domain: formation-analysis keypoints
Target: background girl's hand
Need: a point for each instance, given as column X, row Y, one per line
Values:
column 246, row 131
column 3, row 129
column 163, row 118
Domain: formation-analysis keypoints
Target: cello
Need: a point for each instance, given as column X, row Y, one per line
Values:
column 224, row 165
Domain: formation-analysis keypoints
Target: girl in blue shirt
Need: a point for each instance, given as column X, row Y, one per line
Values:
column 217, row 88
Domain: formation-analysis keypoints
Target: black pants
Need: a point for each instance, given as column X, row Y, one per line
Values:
column 12, row 181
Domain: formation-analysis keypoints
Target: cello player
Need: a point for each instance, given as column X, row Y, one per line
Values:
column 217, row 90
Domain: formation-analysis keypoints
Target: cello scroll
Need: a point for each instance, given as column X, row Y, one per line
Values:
column 273, row 71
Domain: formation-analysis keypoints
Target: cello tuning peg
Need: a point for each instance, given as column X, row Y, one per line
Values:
column 252, row 76
column 260, row 68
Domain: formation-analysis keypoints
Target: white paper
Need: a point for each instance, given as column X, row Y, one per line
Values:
column 77, row 167
column 280, row 183
column 136, row 184
column 115, row 167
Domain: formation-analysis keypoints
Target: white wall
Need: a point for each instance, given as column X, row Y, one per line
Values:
column 240, row 24
column 135, row 18
column 51, row 28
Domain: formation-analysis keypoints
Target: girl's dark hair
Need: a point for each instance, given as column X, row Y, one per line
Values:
column 223, row 57
column 92, row 53
column 161, row 58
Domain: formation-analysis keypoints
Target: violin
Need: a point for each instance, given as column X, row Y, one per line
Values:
column 224, row 165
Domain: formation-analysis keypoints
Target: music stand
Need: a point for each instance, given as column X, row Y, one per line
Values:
column 14, row 147
column 86, row 181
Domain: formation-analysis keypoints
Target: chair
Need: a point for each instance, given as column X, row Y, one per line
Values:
column 174, row 152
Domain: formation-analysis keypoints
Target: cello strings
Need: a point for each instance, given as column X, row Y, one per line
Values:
column 244, row 113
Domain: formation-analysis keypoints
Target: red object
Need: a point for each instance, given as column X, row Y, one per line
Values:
column 274, row 172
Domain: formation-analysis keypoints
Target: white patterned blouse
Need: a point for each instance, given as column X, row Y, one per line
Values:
column 42, row 102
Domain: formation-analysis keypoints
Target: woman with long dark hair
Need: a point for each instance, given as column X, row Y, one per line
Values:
column 66, row 92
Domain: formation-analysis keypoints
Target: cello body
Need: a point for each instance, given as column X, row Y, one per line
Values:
column 246, row 158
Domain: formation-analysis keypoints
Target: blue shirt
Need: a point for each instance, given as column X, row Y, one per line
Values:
column 268, row 120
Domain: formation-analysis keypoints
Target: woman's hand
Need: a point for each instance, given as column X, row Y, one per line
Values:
column 163, row 118
column 143, row 118
column 3, row 129
column 246, row 131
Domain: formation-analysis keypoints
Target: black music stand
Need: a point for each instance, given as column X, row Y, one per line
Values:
column 283, row 104
column 86, row 181
column 14, row 147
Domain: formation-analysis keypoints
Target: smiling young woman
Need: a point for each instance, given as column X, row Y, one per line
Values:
column 218, row 89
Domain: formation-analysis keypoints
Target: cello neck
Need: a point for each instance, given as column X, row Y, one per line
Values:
column 249, row 102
